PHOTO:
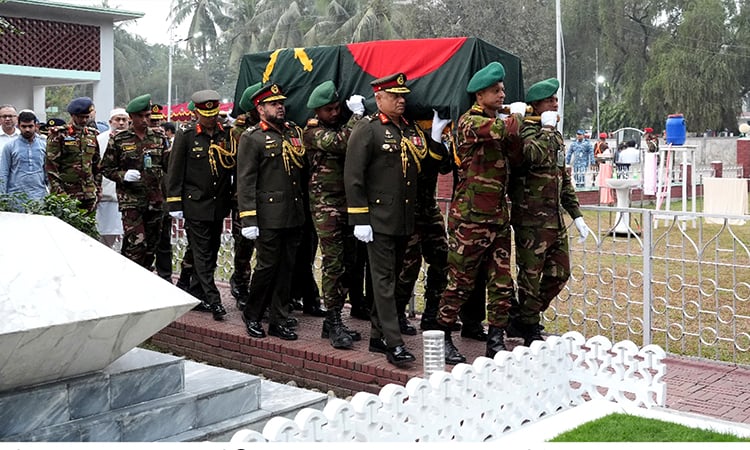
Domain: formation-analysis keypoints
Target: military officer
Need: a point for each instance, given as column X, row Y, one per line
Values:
column 479, row 238
column 200, row 188
column 133, row 160
column 325, row 137
column 72, row 162
column 540, row 190
column 243, row 247
column 157, row 115
column 271, row 155
column 380, row 177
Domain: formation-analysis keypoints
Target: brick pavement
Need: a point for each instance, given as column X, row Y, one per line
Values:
column 696, row 386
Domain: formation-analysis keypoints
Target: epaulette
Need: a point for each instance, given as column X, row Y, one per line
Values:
column 251, row 130
column 312, row 122
column 188, row 126
column 371, row 117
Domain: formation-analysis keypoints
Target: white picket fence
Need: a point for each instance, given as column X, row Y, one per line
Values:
column 481, row 401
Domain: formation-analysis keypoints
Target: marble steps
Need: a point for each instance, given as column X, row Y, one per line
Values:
column 277, row 400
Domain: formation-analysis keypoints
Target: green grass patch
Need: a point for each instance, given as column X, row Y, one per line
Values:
column 619, row 427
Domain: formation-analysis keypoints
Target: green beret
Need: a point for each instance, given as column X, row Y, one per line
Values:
column 542, row 90
column 138, row 104
column 324, row 94
column 486, row 77
column 246, row 102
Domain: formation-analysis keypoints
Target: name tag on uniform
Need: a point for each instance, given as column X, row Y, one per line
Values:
column 390, row 141
column 271, row 145
column 197, row 149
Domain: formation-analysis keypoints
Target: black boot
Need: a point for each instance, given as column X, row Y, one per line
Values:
column 495, row 341
column 334, row 329
column 531, row 333
column 238, row 289
column 429, row 317
column 452, row 355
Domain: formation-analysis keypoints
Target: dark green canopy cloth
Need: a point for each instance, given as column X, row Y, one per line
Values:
column 437, row 70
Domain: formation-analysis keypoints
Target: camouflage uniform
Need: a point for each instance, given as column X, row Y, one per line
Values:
column 73, row 164
column 141, row 202
column 479, row 231
column 429, row 240
column 540, row 189
column 243, row 247
column 326, row 149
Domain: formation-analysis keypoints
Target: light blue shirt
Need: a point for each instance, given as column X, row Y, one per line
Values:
column 22, row 168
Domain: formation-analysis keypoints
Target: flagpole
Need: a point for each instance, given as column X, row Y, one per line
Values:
column 560, row 58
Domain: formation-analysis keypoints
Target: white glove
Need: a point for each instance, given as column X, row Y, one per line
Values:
column 549, row 119
column 363, row 233
column 250, row 233
column 132, row 175
column 356, row 104
column 176, row 214
column 518, row 108
column 583, row 229
column 438, row 125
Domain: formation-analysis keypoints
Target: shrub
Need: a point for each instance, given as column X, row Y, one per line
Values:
column 61, row 206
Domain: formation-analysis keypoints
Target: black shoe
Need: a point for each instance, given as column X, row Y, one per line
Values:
column 377, row 345
column 254, row 329
column 452, row 355
column 399, row 355
column 217, row 309
column 360, row 313
column 291, row 322
column 354, row 334
column 315, row 311
column 202, row 307
column 334, row 330
column 406, row 327
column 282, row 332
column 475, row 331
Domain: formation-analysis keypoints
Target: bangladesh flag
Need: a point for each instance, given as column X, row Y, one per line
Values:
column 437, row 72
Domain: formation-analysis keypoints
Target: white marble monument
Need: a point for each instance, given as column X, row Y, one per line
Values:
column 69, row 305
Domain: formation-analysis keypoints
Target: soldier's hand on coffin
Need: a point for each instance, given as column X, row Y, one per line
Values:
column 438, row 125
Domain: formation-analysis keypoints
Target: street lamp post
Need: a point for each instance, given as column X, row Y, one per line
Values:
column 172, row 43
column 599, row 80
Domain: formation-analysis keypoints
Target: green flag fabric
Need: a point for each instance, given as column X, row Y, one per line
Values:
column 437, row 71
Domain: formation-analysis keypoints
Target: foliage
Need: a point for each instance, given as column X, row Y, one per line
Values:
column 619, row 427
column 62, row 206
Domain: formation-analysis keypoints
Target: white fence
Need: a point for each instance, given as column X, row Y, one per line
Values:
column 480, row 402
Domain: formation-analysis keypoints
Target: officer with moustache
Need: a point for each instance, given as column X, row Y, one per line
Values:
column 271, row 156
column 380, row 177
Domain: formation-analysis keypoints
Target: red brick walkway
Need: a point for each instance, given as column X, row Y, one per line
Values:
column 713, row 389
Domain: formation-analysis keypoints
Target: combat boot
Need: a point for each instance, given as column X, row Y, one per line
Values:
column 531, row 333
column 452, row 355
column 334, row 329
column 354, row 334
column 429, row 317
column 495, row 341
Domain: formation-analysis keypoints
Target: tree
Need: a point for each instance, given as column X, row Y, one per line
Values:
column 207, row 18
column 694, row 71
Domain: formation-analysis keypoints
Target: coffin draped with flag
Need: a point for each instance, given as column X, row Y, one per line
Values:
column 437, row 70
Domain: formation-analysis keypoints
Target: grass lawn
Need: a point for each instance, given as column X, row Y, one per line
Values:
column 629, row 428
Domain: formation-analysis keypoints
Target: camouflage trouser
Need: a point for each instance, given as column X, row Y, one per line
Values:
column 141, row 234
column 475, row 247
column 243, row 252
column 336, row 241
column 543, row 269
column 430, row 242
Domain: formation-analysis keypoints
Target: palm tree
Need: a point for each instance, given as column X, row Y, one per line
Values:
column 207, row 20
column 377, row 19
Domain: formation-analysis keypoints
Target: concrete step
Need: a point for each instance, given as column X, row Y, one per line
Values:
column 276, row 400
column 210, row 395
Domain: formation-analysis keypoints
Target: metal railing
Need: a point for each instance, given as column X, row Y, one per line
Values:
column 684, row 286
